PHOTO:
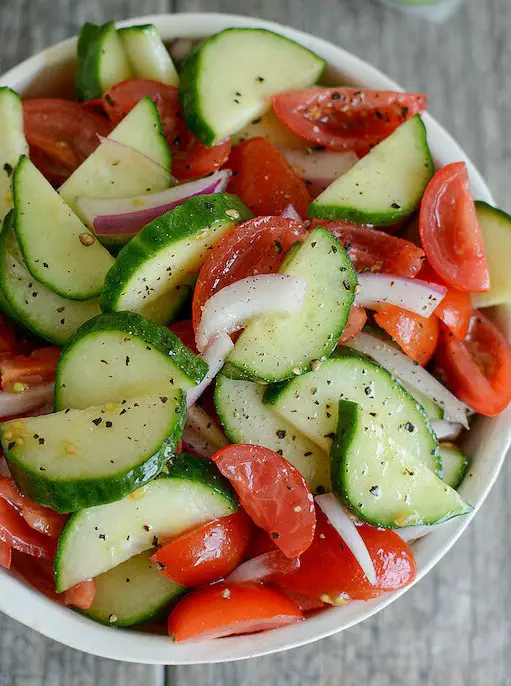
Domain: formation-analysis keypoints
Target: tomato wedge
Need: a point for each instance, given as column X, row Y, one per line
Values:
column 346, row 118
column 450, row 233
column 40, row 518
column 224, row 610
column 273, row 493
column 7, row 336
column 356, row 322
column 478, row 369
column 264, row 181
column 61, row 135
column 194, row 160
column 31, row 369
column 5, row 555
column 456, row 309
column 258, row 246
column 416, row 335
column 210, row 552
column 330, row 573
column 19, row 535
column 376, row 251
column 184, row 331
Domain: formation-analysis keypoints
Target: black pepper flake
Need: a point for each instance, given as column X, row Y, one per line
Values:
column 280, row 433
column 336, row 96
column 155, row 541
column 146, row 527
column 8, row 169
column 395, row 206
column 367, row 390
column 163, row 398
column 278, row 247
column 45, row 265
column 307, row 454
column 41, row 441
column 374, row 490
column 110, row 100
column 409, row 427
column 97, row 421
column 102, row 536
column 280, row 452
column 36, row 436
column 60, row 309
column 160, row 565
column 123, row 411
column 108, row 425
column 11, row 445
column 275, row 535
column 260, row 79
column 127, row 360
column 42, row 469
column 346, row 284
column 104, row 361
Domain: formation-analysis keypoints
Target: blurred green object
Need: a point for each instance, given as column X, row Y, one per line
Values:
column 436, row 10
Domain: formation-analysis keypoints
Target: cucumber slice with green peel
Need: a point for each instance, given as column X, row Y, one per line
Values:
column 454, row 464
column 35, row 305
column 12, row 144
column 310, row 403
column 123, row 355
column 57, row 248
column 132, row 593
column 383, row 483
column 75, row 459
column 434, row 411
column 270, row 127
column 102, row 60
column 496, row 229
column 276, row 347
column 229, row 79
column 386, row 185
column 246, row 419
column 147, row 54
column 159, row 260
column 100, row 538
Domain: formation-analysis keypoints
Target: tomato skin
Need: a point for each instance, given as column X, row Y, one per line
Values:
column 478, row 369
column 346, row 118
column 19, row 535
column 227, row 609
column 273, row 493
column 356, row 321
column 5, row 555
column 456, row 309
column 210, row 552
column 450, row 233
column 257, row 246
column 40, row 518
column 415, row 335
column 264, row 181
column 7, row 336
column 31, row 369
column 184, row 331
column 197, row 160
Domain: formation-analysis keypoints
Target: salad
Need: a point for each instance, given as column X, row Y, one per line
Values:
column 241, row 334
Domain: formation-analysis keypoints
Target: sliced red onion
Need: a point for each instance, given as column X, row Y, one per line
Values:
column 377, row 290
column 230, row 308
column 347, row 530
column 263, row 566
column 321, row 167
column 200, row 423
column 113, row 216
column 12, row 404
column 291, row 213
column 215, row 355
column 446, row 430
column 404, row 368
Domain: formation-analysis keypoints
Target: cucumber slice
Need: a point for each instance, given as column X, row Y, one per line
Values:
column 123, row 355
column 386, row 185
column 80, row 458
column 454, row 464
column 100, row 538
column 35, row 305
column 496, row 229
column 310, row 403
column 147, row 54
column 53, row 240
column 132, row 593
column 102, row 61
column 383, row 483
column 158, row 261
column 434, row 411
column 246, row 419
column 12, row 144
column 274, row 348
column 228, row 79
column 270, row 127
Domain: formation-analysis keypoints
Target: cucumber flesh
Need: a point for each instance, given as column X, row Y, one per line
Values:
column 454, row 464
column 80, row 458
column 132, row 593
column 230, row 78
column 100, row 538
column 310, row 403
column 386, row 185
column 382, row 483
column 53, row 239
column 34, row 304
column 274, row 348
column 246, row 419
column 434, row 411
column 123, row 355
column 147, row 54
column 496, row 229
column 12, row 144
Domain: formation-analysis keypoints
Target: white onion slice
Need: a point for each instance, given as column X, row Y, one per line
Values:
column 199, row 445
column 401, row 366
column 290, row 213
column 215, row 355
column 200, row 423
column 412, row 533
column 347, row 530
column 263, row 566
column 230, row 308
column 446, row 430
column 377, row 290
column 12, row 404
column 321, row 167
column 181, row 47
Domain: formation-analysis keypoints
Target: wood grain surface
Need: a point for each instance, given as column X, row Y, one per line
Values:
column 453, row 628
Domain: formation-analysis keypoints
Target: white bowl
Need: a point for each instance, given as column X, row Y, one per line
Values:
column 50, row 73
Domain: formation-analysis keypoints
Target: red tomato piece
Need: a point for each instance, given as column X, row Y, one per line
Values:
column 5, row 555
column 7, row 336
column 329, row 571
column 478, row 369
column 197, row 161
column 304, row 602
column 31, row 369
column 264, row 181
column 81, row 595
column 415, row 335
column 96, row 106
column 456, row 309
column 356, row 322
column 210, row 552
column 40, row 518
column 376, row 251
column 19, row 535
column 258, row 246
column 273, row 493
column 346, row 118
column 61, row 135
column 184, row 331
column 224, row 610
column 450, row 232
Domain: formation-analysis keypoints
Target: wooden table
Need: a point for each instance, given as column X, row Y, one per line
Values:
column 454, row 628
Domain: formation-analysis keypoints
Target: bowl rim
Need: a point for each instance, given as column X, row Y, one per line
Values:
column 26, row 605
